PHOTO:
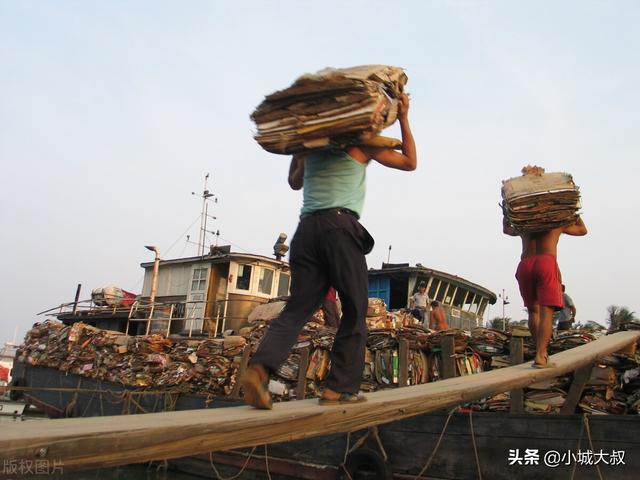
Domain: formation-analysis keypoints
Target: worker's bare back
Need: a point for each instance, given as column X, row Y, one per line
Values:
column 546, row 242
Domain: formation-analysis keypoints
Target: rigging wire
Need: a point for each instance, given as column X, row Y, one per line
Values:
column 181, row 235
column 165, row 252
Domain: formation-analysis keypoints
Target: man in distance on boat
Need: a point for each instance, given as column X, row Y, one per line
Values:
column 419, row 303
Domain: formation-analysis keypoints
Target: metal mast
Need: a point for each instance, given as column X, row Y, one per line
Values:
column 206, row 195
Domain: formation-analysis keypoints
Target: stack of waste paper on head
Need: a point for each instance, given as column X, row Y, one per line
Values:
column 333, row 107
column 539, row 201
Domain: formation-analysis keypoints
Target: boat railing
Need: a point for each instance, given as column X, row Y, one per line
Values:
column 190, row 315
column 159, row 316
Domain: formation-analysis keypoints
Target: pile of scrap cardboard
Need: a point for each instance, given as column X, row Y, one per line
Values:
column 333, row 107
column 539, row 201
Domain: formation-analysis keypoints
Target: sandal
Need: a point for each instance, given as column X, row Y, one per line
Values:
column 343, row 399
column 254, row 387
column 546, row 364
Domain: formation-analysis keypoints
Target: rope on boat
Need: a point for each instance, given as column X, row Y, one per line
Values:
column 433, row 453
column 220, row 477
column 72, row 404
column 126, row 397
column 346, row 453
column 89, row 390
column 473, row 441
column 266, row 461
column 585, row 421
column 585, row 425
column 371, row 431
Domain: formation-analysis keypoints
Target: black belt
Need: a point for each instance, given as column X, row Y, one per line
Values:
column 331, row 210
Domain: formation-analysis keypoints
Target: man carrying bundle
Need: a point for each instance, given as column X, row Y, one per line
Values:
column 328, row 249
column 539, row 279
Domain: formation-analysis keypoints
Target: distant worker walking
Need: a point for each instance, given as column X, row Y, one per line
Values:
column 330, row 309
column 328, row 249
column 567, row 315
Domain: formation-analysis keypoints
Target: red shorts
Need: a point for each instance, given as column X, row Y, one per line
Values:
column 539, row 281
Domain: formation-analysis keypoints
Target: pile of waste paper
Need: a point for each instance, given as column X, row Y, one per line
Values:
column 539, row 201
column 613, row 386
column 211, row 366
column 333, row 107
column 204, row 366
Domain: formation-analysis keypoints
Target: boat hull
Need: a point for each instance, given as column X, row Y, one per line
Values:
column 60, row 394
column 502, row 440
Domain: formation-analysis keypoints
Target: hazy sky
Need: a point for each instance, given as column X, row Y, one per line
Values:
column 111, row 113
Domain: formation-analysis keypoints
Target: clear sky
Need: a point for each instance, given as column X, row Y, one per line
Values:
column 111, row 113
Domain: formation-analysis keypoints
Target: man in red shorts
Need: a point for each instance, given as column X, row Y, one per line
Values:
column 540, row 282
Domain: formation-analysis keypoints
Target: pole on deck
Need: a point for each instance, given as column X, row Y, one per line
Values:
column 235, row 393
column 403, row 363
column 302, row 374
column 448, row 357
column 580, row 378
column 75, row 302
column 516, row 349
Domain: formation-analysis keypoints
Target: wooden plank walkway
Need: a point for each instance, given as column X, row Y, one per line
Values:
column 119, row 440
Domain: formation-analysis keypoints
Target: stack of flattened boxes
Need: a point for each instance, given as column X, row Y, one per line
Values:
column 331, row 108
column 539, row 201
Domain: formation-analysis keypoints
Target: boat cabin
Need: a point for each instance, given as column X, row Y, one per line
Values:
column 215, row 292
column 464, row 302
column 203, row 295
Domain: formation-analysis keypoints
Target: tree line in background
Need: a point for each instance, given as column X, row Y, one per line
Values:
column 616, row 317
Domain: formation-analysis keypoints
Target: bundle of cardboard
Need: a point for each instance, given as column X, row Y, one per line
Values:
column 331, row 108
column 539, row 201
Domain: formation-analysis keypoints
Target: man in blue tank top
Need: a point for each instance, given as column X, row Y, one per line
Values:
column 328, row 249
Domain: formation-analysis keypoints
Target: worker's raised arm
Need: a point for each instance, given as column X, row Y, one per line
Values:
column 296, row 172
column 577, row 229
column 408, row 159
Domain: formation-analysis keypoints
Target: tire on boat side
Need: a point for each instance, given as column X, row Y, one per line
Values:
column 366, row 463
column 16, row 395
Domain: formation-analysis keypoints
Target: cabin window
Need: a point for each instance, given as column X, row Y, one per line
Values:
column 477, row 304
column 244, row 277
column 199, row 280
column 458, row 297
column 482, row 306
column 468, row 304
column 265, row 281
column 444, row 286
column 448, row 296
column 283, row 284
column 433, row 288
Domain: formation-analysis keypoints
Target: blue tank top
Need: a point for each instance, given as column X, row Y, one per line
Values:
column 333, row 179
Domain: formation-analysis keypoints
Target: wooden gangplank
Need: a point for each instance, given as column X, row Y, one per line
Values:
column 119, row 440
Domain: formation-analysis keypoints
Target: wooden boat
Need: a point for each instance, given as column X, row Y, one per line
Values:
column 218, row 290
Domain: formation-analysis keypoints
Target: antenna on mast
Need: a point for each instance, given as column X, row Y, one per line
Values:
column 204, row 214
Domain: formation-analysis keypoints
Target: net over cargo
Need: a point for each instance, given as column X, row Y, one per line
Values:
column 333, row 107
column 539, row 201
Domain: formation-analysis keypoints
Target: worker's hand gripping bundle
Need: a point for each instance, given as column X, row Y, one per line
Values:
column 539, row 201
column 333, row 107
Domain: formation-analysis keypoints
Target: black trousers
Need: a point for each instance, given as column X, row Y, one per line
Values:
column 327, row 249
